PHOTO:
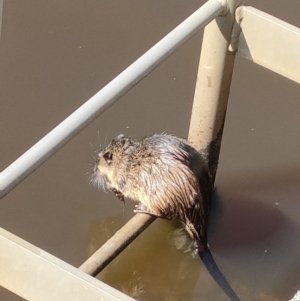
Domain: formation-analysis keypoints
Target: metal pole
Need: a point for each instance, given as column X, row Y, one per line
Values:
column 116, row 244
column 212, row 88
column 71, row 126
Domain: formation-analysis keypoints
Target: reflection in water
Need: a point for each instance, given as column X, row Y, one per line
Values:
column 150, row 267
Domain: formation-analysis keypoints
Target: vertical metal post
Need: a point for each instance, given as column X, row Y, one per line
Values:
column 212, row 88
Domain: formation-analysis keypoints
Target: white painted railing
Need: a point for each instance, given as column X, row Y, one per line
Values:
column 268, row 41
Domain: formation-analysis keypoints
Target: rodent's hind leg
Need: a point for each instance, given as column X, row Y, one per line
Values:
column 198, row 235
column 142, row 208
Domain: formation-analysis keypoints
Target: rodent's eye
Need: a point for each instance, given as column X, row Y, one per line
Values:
column 108, row 157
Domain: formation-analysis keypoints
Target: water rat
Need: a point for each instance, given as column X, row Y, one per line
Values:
column 169, row 179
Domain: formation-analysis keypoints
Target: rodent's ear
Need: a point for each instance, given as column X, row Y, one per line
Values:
column 108, row 157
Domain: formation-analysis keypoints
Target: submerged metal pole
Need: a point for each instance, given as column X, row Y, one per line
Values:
column 116, row 244
column 95, row 106
column 212, row 88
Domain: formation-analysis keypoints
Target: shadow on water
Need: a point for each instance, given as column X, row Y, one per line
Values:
column 261, row 203
column 255, row 218
column 251, row 222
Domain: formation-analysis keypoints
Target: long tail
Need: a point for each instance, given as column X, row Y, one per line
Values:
column 217, row 275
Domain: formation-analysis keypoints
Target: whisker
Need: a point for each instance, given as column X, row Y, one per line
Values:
column 105, row 139
column 94, row 159
column 94, row 148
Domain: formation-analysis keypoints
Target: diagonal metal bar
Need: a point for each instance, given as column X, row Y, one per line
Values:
column 116, row 244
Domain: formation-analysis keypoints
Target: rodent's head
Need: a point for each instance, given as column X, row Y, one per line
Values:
column 112, row 160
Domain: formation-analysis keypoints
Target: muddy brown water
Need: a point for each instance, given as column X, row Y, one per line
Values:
column 55, row 55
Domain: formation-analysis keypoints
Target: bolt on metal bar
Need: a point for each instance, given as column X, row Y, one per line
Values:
column 212, row 89
column 95, row 106
column 116, row 244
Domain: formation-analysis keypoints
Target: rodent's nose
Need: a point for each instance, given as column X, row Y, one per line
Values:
column 98, row 158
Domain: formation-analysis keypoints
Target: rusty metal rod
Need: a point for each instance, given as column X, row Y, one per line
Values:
column 116, row 244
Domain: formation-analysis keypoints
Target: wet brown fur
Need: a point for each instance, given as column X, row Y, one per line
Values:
column 165, row 174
